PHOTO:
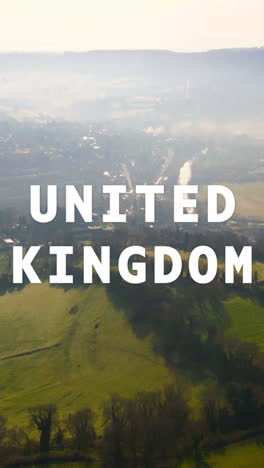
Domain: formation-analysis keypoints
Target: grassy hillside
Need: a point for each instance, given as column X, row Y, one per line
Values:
column 96, row 351
column 247, row 320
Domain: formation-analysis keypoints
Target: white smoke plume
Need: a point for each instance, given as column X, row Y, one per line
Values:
column 185, row 174
column 184, row 178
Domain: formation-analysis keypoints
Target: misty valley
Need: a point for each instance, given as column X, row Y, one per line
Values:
column 132, row 259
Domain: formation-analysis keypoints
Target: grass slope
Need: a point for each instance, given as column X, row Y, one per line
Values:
column 247, row 319
column 98, row 352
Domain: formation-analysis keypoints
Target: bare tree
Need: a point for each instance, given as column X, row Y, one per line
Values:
column 81, row 427
column 115, row 420
column 43, row 418
column 3, row 429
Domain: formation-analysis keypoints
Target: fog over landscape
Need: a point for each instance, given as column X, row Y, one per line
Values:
column 110, row 364
column 212, row 92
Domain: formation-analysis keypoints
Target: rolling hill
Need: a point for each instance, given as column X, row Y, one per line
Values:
column 72, row 348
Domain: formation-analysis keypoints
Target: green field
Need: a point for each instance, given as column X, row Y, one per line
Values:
column 91, row 351
column 98, row 352
column 241, row 455
column 249, row 199
column 244, row 455
column 247, row 320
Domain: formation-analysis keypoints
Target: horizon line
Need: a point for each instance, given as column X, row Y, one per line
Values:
column 86, row 51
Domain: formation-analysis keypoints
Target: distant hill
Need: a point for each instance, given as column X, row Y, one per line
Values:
column 222, row 84
column 140, row 61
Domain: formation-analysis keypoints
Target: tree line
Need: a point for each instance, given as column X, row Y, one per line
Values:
column 151, row 429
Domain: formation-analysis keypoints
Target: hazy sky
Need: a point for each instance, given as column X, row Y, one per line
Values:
column 130, row 24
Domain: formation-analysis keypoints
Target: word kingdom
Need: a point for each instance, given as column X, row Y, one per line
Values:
column 134, row 272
